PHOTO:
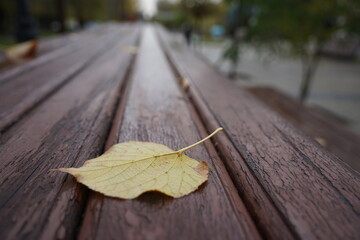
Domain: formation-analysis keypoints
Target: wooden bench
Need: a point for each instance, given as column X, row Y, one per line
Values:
column 47, row 45
column 292, row 187
column 48, row 74
column 331, row 132
column 267, row 180
column 66, row 125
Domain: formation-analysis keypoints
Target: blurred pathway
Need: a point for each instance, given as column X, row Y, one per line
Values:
column 336, row 85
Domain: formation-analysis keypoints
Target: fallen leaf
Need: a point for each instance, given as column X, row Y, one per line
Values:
column 129, row 169
column 321, row 141
column 22, row 52
column 184, row 83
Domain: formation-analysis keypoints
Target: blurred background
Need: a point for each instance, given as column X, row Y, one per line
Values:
column 306, row 49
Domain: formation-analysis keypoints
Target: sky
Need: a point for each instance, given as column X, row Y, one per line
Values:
column 148, row 7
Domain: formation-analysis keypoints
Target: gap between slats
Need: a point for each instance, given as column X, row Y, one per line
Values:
column 18, row 116
column 208, row 120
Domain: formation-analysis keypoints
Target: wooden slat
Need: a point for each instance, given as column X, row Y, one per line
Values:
column 155, row 111
column 45, row 46
column 26, row 90
column 309, row 191
column 257, row 201
column 53, row 55
column 332, row 134
column 66, row 129
column 52, row 43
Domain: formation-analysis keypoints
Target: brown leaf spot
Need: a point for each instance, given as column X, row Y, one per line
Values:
column 202, row 168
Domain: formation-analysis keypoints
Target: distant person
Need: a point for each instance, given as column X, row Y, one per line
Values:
column 188, row 33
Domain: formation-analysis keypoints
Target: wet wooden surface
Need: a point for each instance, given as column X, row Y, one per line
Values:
column 69, row 127
column 330, row 132
column 267, row 179
column 309, row 189
column 156, row 111
column 50, row 77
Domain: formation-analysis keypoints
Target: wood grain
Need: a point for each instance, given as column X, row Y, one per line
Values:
column 66, row 129
column 9, row 74
column 26, row 90
column 45, row 46
column 155, row 111
column 316, row 196
column 333, row 135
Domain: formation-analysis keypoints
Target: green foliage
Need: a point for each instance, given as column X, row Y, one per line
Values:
column 351, row 20
column 297, row 27
column 44, row 12
column 298, row 24
column 87, row 10
column 200, row 14
column 301, row 24
column 198, row 9
column 232, row 52
column 280, row 21
column 100, row 10
column 7, row 15
column 170, row 14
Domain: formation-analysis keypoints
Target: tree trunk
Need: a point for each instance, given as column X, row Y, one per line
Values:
column 122, row 12
column 112, row 6
column 25, row 26
column 233, row 71
column 81, row 23
column 61, row 15
column 309, row 67
column 79, row 16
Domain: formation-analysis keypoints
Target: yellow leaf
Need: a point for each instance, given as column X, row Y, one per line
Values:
column 129, row 169
column 184, row 83
column 321, row 141
column 22, row 52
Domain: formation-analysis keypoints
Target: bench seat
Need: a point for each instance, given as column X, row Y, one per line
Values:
column 267, row 178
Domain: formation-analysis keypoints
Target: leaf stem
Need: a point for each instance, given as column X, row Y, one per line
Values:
column 199, row 142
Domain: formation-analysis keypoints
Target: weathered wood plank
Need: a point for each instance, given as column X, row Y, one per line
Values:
column 257, row 201
column 316, row 196
column 333, row 135
column 26, row 90
column 52, row 43
column 156, row 111
column 69, row 127
column 53, row 55
column 45, row 45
